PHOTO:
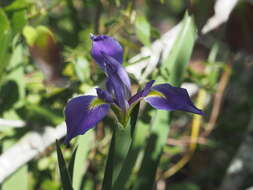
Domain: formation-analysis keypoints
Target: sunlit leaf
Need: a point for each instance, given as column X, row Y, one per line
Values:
column 143, row 30
column 18, row 21
column 80, row 165
column 174, row 65
column 5, row 36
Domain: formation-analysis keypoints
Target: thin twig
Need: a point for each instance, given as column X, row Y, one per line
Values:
column 12, row 123
column 218, row 100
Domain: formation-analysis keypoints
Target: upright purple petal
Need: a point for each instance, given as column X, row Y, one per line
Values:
column 119, row 69
column 104, row 95
column 82, row 113
column 167, row 97
column 119, row 89
column 109, row 87
column 109, row 46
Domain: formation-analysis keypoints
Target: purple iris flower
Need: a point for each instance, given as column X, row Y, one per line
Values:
column 84, row 112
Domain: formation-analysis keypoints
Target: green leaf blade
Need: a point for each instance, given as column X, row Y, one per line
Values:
column 174, row 65
column 143, row 30
column 65, row 177
column 118, row 152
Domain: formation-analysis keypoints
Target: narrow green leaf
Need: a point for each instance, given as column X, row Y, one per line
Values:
column 213, row 68
column 65, row 177
column 45, row 112
column 143, row 30
column 153, row 151
column 5, row 36
column 85, row 144
column 71, row 164
column 174, row 65
column 119, row 148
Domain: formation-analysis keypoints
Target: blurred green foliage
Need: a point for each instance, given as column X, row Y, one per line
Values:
column 24, row 94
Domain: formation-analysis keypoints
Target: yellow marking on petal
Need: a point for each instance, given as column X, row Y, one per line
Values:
column 96, row 102
column 155, row 93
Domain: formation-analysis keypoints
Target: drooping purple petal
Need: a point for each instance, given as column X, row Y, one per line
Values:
column 82, row 113
column 144, row 92
column 104, row 95
column 109, row 46
column 167, row 97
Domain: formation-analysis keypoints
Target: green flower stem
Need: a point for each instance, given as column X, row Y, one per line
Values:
column 119, row 148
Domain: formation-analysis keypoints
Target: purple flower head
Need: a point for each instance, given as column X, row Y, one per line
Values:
column 84, row 112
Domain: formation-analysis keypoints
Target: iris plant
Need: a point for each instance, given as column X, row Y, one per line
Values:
column 84, row 112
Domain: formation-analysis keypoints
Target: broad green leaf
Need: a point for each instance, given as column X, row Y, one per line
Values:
column 153, row 150
column 65, row 177
column 18, row 21
column 143, row 30
column 119, row 148
column 9, row 95
column 140, row 135
column 174, row 65
column 30, row 34
column 17, row 5
column 5, row 36
column 17, row 72
column 82, row 69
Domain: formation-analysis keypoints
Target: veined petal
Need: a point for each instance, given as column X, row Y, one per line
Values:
column 82, row 113
column 167, row 97
column 141, row 93
column 109, row 46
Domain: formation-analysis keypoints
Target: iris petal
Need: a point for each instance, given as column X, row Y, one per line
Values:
column 118, row 88
column 104, row 95
column 167, row 97
column 82, row 113
column 141, row 93
column 119, row 69
column 109, row 46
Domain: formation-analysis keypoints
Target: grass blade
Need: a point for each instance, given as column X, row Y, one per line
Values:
column 71, row 164
column 65, row 177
